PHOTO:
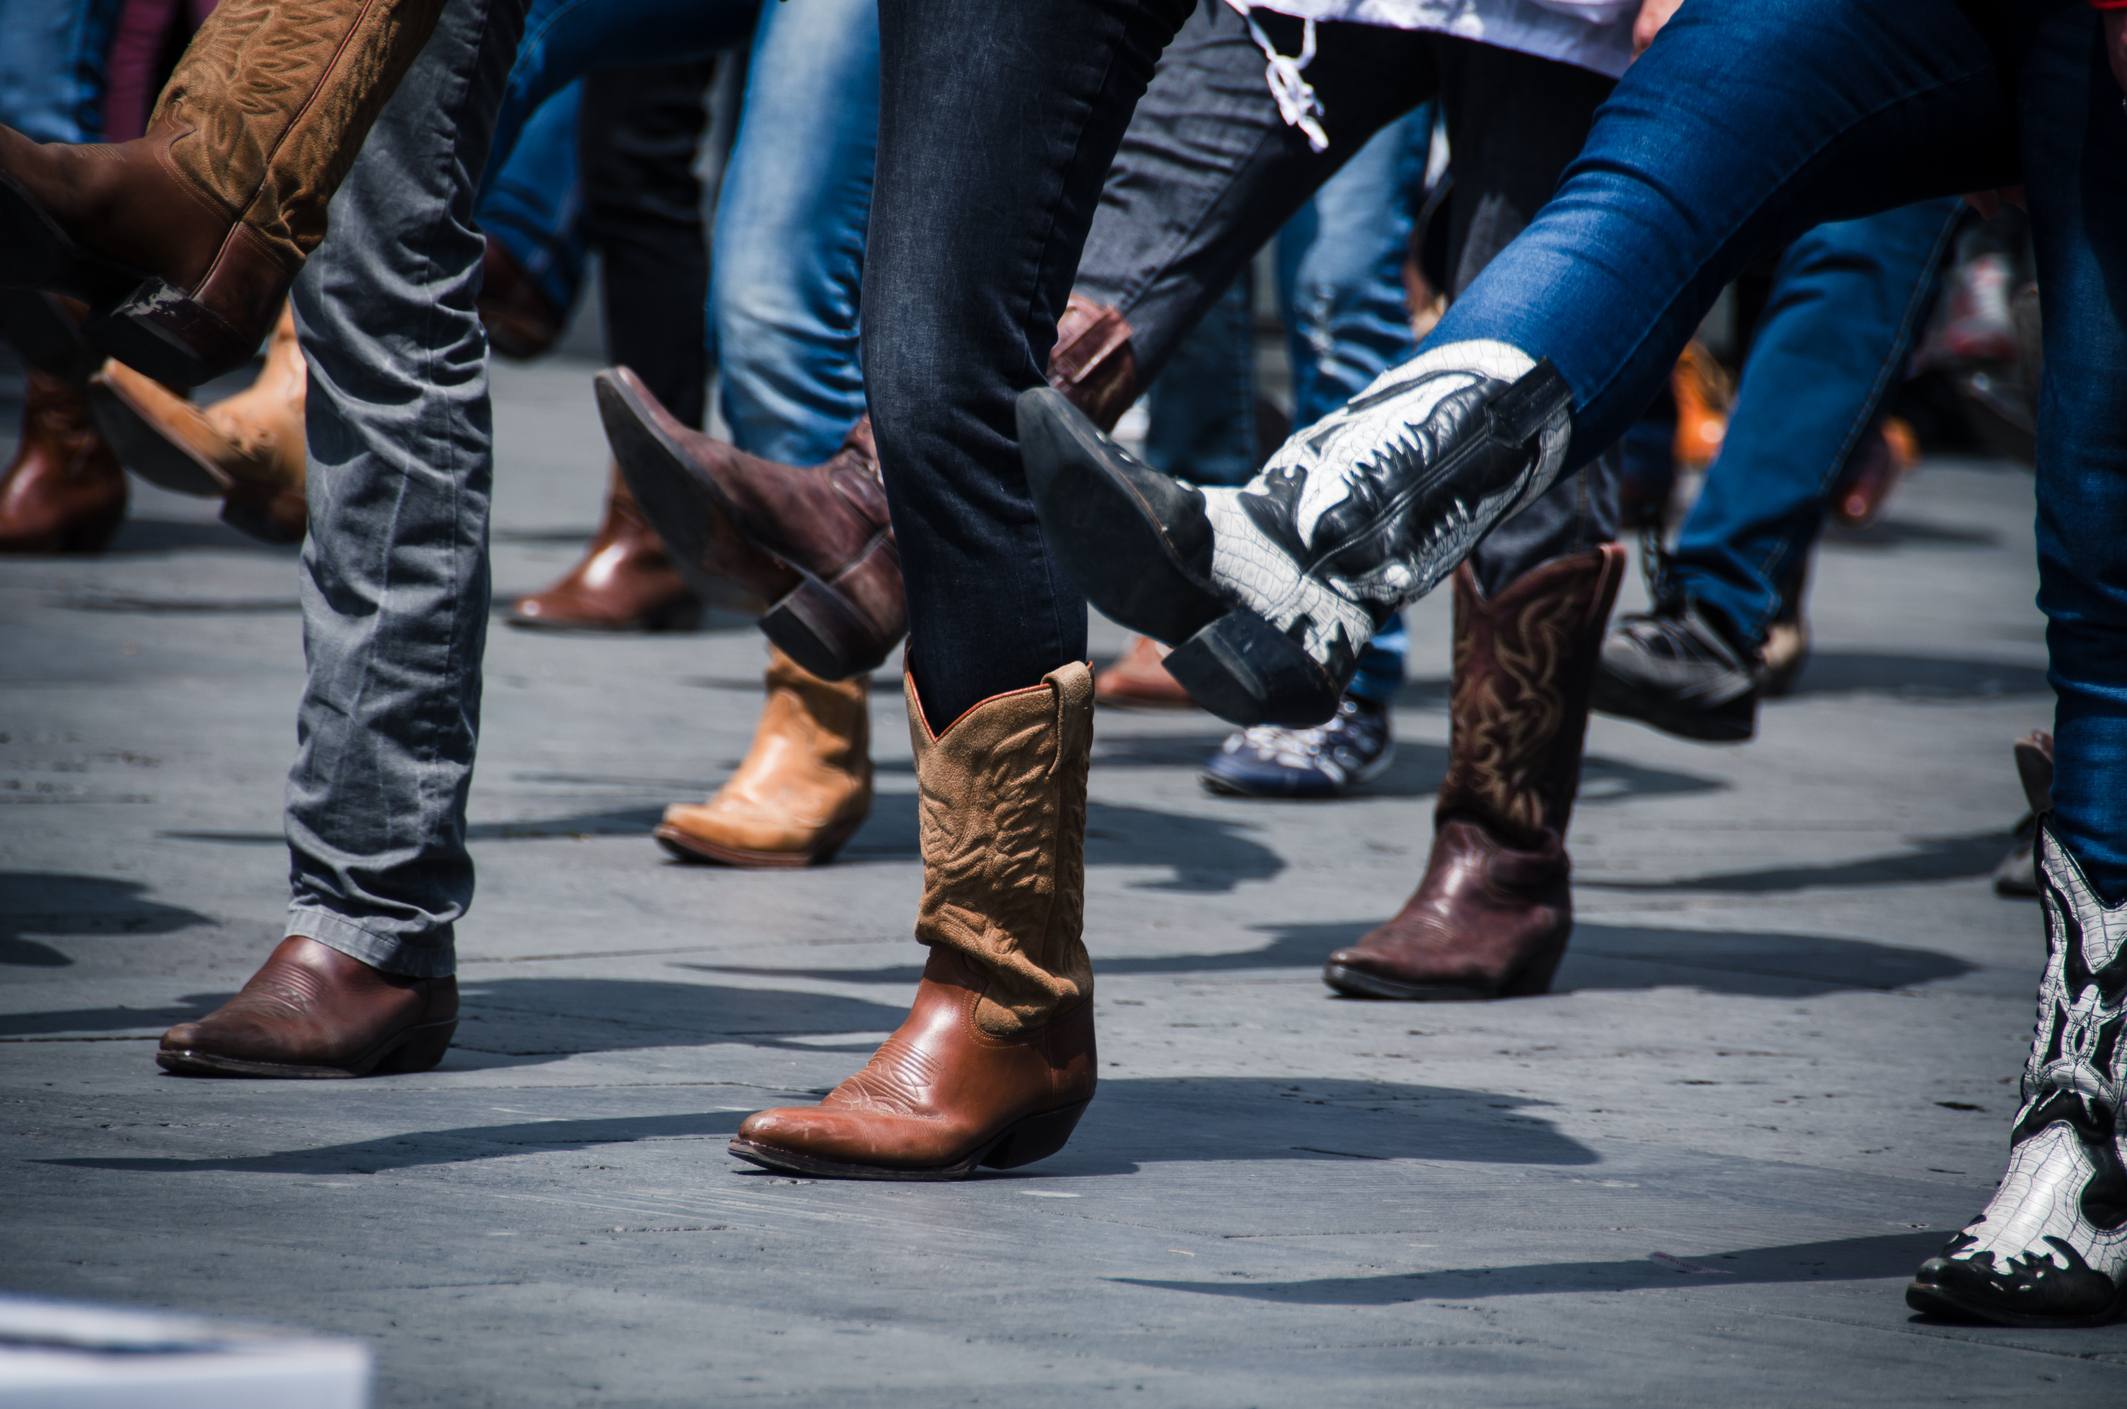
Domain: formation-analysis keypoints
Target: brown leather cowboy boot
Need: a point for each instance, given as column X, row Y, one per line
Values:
column 1093, row 364
column 247, row 451
column 1136, row 679
column 311, row 1011
column 64, row 492
column 520, row 322
column 995, row 1062
column 626, row 581
column 1493, row 913
column 815, row 543
column 805, row 785
column 184, row 241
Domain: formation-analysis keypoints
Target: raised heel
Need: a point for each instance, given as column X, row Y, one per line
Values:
column 423, row 1048
column 168, row 335
column 1246, row 671
column 1035, row 1138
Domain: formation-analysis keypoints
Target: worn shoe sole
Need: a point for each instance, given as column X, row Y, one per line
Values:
column 1935, row 1299
column 1137, row 543
column 147, row 451
column 413, row 1049
column 1732, row 722
column 692, row 848
column 813, row 622
column 1034, row 1138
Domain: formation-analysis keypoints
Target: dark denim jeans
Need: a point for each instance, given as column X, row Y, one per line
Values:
column 997, row 124
column 1750, row 121
column 1846, row 301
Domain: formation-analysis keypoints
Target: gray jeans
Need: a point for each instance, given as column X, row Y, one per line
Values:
column 395, row 571
column 1209, row 172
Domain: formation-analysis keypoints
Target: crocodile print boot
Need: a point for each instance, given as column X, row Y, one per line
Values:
column 1493, row 913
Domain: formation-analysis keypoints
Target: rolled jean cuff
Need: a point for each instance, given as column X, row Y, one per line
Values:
column 431, row 955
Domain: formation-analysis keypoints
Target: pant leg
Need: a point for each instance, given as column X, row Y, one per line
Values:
column 640, row 132
column 53, row 73
column 1209, row 172
column 2075, row 150
column 534, row 205
column 1847, row 299
column 1202, row 407
column 997, row 124
column 395, row 572
column 790, row 223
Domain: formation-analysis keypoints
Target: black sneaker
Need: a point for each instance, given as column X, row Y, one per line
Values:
column 1329, row 760
column 1674, row 670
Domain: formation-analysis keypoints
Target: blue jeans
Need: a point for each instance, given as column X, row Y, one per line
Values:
column 1846, row 301
column 395, row 570
column 534, row 203
column 52, row 67
column 1750, row 121
column 790, row 228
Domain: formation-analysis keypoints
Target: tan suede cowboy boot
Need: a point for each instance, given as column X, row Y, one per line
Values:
column 996, row 1061
column 804, row 787
column 247, row 451
column 1493, row 913
column 184, row 241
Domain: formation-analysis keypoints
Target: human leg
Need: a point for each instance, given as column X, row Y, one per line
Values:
column 534, row 209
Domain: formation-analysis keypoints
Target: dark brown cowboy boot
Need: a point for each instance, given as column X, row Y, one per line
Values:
column 183, row 242
column 814, row 542
column 64, row 492
column 311, row 1011
column 1093, row 363
column 626, row 581
column 1493, row 913
column 996, row 1060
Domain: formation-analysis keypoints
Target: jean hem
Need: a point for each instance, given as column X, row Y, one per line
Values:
column 434, row 955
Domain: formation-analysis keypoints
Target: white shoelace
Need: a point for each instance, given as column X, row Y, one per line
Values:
column 1297, row 102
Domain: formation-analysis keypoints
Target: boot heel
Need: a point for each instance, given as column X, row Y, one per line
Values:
column 1246, row 671
column 168, row 335
column 814, row 628
column 423, row 1048
column 1035, row 1138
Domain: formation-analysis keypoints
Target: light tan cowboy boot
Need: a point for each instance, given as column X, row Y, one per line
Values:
column 995, row 1063
column 246, row 450
column 804, row 787
column 1492, row 915
column 183, row 242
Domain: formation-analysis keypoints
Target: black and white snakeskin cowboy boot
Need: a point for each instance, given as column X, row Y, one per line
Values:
column 1268, row 592
column 2051, row 1249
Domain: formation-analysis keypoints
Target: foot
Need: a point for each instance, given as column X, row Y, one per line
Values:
column 1675, row 670
column 625, row 582
column 941, row 1097
column 1268, row 592
column 521, row 321
column 311, row 1011
column 64, row 491
column 815, row 543
column 1488, row 921
column 804, row 788
column 1329, row 760
column 1138, row 679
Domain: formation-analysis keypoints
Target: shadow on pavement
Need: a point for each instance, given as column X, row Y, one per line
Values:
column 139, row 535
column 1840, row 1260
column 1917, row 677
column 57, row 903
column 1153, row 1119
column 1927, row 859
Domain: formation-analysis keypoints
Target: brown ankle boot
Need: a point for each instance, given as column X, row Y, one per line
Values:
column 311, row 1011
column 815, row 543
column 804, row 788
column 1493, row 913
column 64, row 493
column 247, row 451
column 184, row 241
column 996, row 1061
column 626, row 581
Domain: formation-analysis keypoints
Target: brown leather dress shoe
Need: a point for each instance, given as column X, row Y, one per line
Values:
column 1137, row 680
column 805, row 785
column 64, row 491
column 247, row 451
column 626, row 581
column 996, row 1061
column 311, row 1011
column 183, row 242
column 520, row 322
column 1492, row 915
column 815, row 543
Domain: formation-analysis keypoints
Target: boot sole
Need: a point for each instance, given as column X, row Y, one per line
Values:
column 812, row 623
column 1109, row 523
column 681, row 618
column 416, row 1049
column 694, row 849
column 1035, row 1137
column 1530, row 982
column 147, row 452
column 1732, row 723
column 1934, row 1299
